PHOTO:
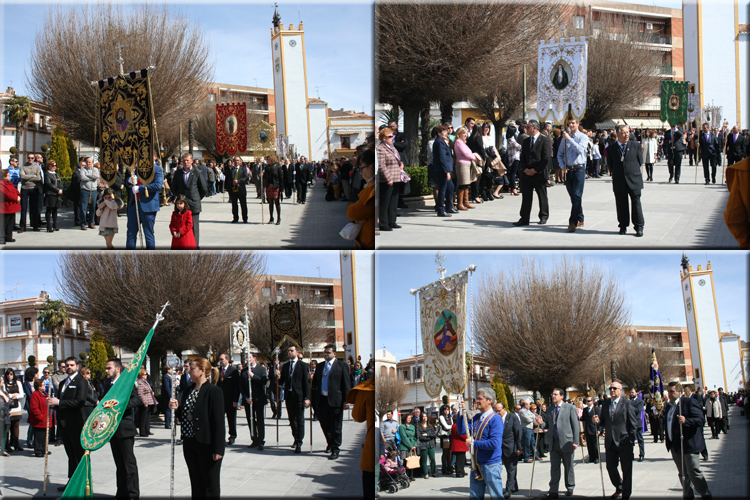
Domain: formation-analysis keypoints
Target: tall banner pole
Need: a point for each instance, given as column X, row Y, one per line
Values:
column 262, row 196
column 173, row 362
column 311, row 406
column 277, row 402
column 46, row 450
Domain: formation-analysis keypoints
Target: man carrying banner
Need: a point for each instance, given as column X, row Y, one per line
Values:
column 571, row 155
column 293, row 377
column 123, row 440
column 148, row 205
column 675, row 149
column 486, row 434
column 331, row 384
column 235, row 184
column 229, row 383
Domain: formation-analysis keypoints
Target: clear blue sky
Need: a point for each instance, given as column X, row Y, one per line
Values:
column 35, row 271
column 650, row 281
column 338, row 44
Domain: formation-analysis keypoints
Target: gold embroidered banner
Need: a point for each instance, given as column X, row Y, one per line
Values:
column 561, row 79
column 286, row 323
column 443, row 322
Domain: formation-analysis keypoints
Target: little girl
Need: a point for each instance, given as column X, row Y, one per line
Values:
column 391, row 464
column 182, row 225
column 107, row 213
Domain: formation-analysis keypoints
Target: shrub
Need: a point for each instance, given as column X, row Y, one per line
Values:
column 418, row 183
column 59, row 152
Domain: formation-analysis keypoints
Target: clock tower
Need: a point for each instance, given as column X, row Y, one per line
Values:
column 290, row 85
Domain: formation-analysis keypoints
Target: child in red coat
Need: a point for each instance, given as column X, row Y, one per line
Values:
column 9, row 205
column 182, row 226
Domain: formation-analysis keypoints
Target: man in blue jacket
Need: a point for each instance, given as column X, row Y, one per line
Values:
column 486, row 442
column 148, row 205
column 441, row 168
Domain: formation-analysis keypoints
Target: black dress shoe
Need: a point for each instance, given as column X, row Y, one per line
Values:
column 616, row 494
column 639, row 232
column 623, row 230
column 549, row 494
column 569, row 492
column 235, row 221
column 62, row 488
column 640, row 459
column 520, row 223
column 261, row 447
column 278, row 221
column 253, row 445
column 328, row 449
column 542, row 221
column 334, row 455
column 230, row 440
column 452, row 211
column 298, row 448
column 443, row 214
column 395, row 226
column 506, row 494
column 11, row 240
column 385, row 228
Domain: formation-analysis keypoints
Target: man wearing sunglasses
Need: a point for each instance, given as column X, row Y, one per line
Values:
column 619, row 422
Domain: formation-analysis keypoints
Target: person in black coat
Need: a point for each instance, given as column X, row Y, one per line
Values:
column 684, row 412
column 288, row 171
column 294, row 379
column 53, row 190
column 301, row 178
column 273, row 180
column 724, row 398
column 638, row 405
column 332, row 383
column 273, row 389
column 735, row 146
column 512, row 446
column 166, row 394
column 590, row 429
column 618, row 420
column 253, row 389
column 229, row 383
column 674, row 148
column 123, row 440
column 71, row 398
column 74, row 195
column 201, row 411
column 235, row 184
column 194, row 189
column 625, row 159
column 709, row 150
column 535, row 154
column 442, row 168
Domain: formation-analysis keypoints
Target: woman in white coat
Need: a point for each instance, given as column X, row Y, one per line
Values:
column 650, row 151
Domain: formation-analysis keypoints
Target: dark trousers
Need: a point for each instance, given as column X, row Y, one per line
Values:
column 388, row 203
column 657, row 430
column 511, row 466
column 622, row 455
column 204, row 471
column 39, row 434
column 142, row 418
column 641, row 445
column 127, row 467
column 709, row 160
column 196, row 228
column 30, row 204
column 512, row 172
column 716, row 426
column 242, row 200
column 51, row 216
column 71, row 439
column 558, row 457
column 331, row 419
column 574, row 182
column 368, row 484
column 231, row 413
column 259, row 429
column 460, row 463
column 445, row 193
column 295, row 407
column 674, row 163
column 692, row 157
column 529, row 184
column 288, row 189
column 301, row 192
column 6, row 229
column 623, row 214
column 592, row 447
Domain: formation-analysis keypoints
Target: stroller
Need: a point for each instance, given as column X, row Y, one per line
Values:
column 392, row 480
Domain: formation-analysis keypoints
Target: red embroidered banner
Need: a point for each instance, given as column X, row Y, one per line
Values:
column 231, row 128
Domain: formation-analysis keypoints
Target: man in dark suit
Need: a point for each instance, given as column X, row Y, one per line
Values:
column 709, row 151
column 724, row 399
column 123, row 439
column 229, row 383
column 332, row 383
column 235, row 184
column 253, row 389
column 512, row 446
column 301, row 178
column 675, row 148
column 638, row 405
column 185, row 383
column 71, row 398
column 618, row 420
column 590, row 429
column 625, row 159
column 189, row 181
column 287, row 170
column 702, row 403
column 294, row 379
column 536, row 151
column 685, row 415
column 692, row 135
column 166, row 394
column 736, row 147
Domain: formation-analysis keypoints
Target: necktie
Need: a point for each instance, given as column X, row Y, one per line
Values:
column 557, row 412
column 65, row 386
column 223, row 371
column 532, row 143
column 612, row 408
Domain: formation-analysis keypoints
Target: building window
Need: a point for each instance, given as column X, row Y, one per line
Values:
column 211, row 98
column 417, row 373
column 383, row 371
column 345, row 142
column 27, row 324
column 629, row 338
column 597, row 25
column 349, row 338
column 266, row 291
column 579, row 22
column 406, row 374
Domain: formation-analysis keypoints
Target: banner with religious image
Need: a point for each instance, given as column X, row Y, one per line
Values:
column 231, row 128
column 712, row 116
column 674, row 102
column 126, row 121
column 443, row 306
column 286, row 323
column 694, row 108
column 561, row 79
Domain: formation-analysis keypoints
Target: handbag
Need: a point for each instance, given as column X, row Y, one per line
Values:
column 445, row 442
column 412, row 461
column 498, row 166
column 351, row 231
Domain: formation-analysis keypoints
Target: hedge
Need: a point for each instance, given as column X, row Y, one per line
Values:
column 418, row 183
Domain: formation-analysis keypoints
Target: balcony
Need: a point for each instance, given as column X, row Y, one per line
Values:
column 319, row 300
column 659, row 38
column 327, row 323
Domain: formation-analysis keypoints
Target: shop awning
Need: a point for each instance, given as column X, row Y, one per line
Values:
column 646, row 122
column 348, row 132
column 608, row 124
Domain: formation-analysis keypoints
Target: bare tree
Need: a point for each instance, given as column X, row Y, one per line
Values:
column 633, row 365
column 623, row 72
column 390, row 391
column 124, row 291
column 78, row 45
column 428, row 52
column 548, row 322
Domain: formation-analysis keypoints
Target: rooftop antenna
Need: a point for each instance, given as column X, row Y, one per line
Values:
column 670, row 322
column 318, row 268
column 317, row 89
column 729, row 324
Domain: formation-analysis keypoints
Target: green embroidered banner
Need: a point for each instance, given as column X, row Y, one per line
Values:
column 674, row 102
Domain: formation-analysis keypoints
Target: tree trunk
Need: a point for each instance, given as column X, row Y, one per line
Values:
column 54, row 349
column 191, row 137
column 155, row 373
column 424, row 120
column 446, row 111
column 411, row 131
column 499, row 131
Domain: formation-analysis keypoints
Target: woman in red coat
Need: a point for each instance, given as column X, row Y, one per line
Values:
column 9, row 205
column 182, row 226
column 459, row 449
column 38, row 416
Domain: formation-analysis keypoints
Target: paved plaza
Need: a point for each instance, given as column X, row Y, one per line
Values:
column 315, row 224
column 245, row 472
column 685, row 215
column 655, row 477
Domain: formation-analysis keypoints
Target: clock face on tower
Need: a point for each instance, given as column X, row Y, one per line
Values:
column 292, row 43
column 276, row 46
column 702, row 282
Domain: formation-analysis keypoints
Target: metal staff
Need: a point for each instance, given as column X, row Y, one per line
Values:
column 682, row 448
column 533, row 464
column 598, row 452
column 277, row 403
column 134, row 182
column 46, row 448
column 311, row 407
column 262, row 196
column 173, row 362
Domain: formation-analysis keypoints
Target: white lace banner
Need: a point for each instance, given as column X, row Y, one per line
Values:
column 694, row 108
column 561, row 78
column 443, row 318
